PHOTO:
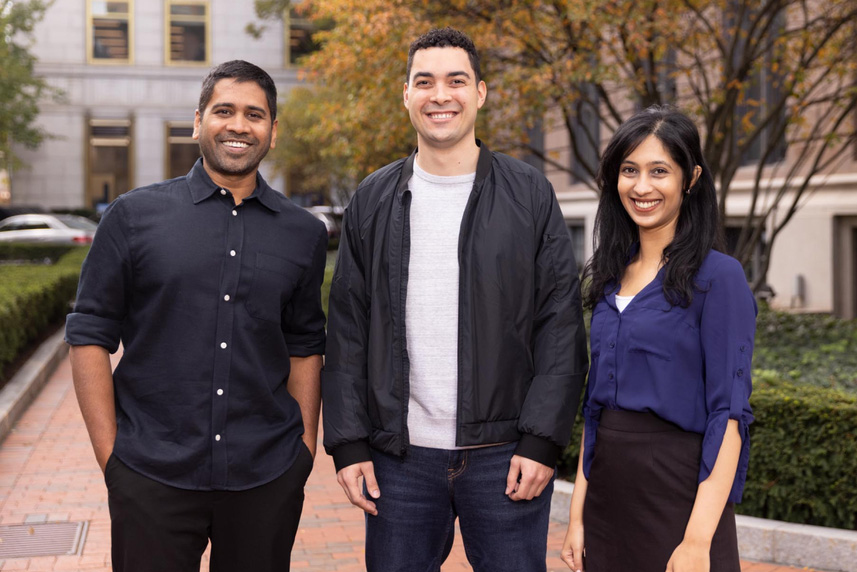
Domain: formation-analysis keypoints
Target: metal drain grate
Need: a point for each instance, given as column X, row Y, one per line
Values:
column 47, row 539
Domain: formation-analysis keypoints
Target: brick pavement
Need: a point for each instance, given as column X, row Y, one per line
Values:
column 48, row 473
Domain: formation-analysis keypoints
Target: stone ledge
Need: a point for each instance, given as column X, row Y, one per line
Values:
column 26, row 384
column 774, row 541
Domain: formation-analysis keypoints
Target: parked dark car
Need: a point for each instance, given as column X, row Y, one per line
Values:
column 47, row 229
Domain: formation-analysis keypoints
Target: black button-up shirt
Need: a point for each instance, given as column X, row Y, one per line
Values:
column 209, row 299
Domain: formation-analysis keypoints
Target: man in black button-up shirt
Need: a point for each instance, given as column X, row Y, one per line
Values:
column 207, row 428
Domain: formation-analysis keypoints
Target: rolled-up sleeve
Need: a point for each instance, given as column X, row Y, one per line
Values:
column 303, row 317
column 344, row 377
column 558, row 341
column 105, row 280
column 727, row 328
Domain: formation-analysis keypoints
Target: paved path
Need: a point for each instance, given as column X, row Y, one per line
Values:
column 48, row 473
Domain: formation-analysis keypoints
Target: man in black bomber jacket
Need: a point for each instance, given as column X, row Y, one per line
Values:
column 456, row 352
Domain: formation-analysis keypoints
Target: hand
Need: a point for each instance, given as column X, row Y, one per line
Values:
column 572, row 548
column 527, row 478
column 349, row 479
column 690, row 557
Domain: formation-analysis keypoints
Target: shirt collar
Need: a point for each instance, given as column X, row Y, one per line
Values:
column 202, row 187
column 483, row 168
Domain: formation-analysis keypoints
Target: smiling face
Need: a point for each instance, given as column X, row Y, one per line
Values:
column 442, row 97
column 235, row 131
column 651, row 185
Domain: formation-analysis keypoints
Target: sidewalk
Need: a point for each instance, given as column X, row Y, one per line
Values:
column 48, row 474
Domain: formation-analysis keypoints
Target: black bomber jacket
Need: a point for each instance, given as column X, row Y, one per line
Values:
column 522, row 355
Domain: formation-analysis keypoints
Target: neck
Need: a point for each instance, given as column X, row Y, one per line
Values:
column 652, row 245
column 241, row 186
column 458, row 160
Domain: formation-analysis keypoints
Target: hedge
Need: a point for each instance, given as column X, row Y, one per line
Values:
column 32, row 297
column 23, row 252
column 803, row 459
column 803, row 456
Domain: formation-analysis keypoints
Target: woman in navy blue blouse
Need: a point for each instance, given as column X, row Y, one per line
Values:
column 665, row 448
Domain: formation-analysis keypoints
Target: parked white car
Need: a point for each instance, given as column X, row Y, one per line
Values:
column 47, row 229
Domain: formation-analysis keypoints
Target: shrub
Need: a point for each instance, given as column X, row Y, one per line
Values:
column 32, row 297
column 23, row 252
column 803, row 457
column 817, row 349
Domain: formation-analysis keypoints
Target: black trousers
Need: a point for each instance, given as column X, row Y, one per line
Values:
column 160, row 528
column 640, row 494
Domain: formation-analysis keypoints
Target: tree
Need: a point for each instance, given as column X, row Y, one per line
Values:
column 762, row 78
column 20, row 88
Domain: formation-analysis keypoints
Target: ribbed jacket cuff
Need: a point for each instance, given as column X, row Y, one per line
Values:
column 351, row 454
column 538, row 449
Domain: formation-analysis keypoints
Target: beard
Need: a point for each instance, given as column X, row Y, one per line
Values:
column 220, row 160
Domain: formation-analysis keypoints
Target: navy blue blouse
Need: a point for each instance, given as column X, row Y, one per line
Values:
column 689, row 366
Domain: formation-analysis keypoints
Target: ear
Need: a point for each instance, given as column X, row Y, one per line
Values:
column 697, row 171
column 274, row 133
column 482, row 90
column 405, row 95
column 196, row 120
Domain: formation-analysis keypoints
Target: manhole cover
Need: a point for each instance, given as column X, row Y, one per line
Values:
column 47, row 539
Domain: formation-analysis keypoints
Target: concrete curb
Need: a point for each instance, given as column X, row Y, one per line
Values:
column 774, row 541
column 26, row 384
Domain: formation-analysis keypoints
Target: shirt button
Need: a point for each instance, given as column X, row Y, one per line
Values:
column 612, row 345
column 611, row 376
column 740, row 373
column 232, row 253
column 223, row 345
column 223, row 191
column 217, row 437
column 219, row 392
column 234, row 213
column 226, row 297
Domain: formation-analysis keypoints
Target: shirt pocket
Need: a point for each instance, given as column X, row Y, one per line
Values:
column 274, row 280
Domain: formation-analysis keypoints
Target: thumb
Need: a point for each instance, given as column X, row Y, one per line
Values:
column 371, row 482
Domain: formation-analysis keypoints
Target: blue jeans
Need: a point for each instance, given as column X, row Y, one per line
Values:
column 423, row 493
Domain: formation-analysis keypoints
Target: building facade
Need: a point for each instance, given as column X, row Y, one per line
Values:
column 130, row 74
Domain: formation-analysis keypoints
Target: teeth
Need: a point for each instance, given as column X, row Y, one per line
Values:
column 235, row 144
column 645, row 204
column 442, row 115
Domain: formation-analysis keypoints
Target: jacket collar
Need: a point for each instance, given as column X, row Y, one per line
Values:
column 202, row 187
column 483, row 168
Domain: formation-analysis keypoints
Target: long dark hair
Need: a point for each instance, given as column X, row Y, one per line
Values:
column 697, row 230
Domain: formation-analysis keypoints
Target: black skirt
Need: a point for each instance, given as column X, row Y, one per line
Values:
column 641, row 490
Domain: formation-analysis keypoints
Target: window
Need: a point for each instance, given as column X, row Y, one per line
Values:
column 577, row 230
column 182, row 149
column 109, row 161
column 187, row 30
column 299, row 30
column 109, row 32
column 536, row 138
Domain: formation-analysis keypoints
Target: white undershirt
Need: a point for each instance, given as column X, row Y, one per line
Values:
column 622, row 302
column 431, row 307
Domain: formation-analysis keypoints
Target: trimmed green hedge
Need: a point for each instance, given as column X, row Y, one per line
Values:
column 32, row 297
column 803, row 455
column 33, row 252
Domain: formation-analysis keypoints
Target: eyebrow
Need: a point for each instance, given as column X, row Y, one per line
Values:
column 450, row 74
column 232, row 106
column 628, row 162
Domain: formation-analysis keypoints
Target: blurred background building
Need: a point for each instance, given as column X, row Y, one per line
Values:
column 131, row 73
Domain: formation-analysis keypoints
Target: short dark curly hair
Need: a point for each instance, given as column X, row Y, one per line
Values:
column 445, row 38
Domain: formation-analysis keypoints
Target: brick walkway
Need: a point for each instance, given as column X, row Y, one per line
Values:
column 48, row 473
